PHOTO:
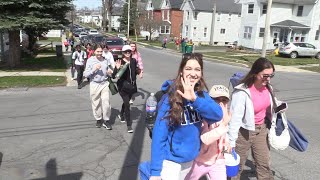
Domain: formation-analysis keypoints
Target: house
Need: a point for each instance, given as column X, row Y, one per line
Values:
column 168, row 14
column 290, row 21
column 91, row 17
column 116, row 14
column 197, row 21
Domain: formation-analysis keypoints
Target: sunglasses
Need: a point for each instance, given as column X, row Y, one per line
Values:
column 266, row 76
column 126, row 52
column 221, row 99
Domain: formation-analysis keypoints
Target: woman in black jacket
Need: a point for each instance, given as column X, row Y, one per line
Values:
column 126, row 84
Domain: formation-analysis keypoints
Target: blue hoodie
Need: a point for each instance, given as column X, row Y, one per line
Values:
column 186, row 137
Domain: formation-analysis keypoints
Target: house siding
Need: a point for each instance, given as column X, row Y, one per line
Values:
column 176, row 22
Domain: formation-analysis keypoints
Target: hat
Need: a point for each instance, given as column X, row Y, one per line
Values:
column 219, row 90
column 126, row 48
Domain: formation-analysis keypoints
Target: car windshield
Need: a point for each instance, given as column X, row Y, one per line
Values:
column 99, row 38
column 114, row 42
column 121, row 35
column 93, row 31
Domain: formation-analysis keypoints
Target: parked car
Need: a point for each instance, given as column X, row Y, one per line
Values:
column 82, row 34
column 122, row 36
column 115, row 45
column 297, row 49
column 93, row 31
column 97, row 39
column 232, row 44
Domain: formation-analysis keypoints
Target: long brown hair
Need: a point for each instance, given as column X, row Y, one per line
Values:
column 175, row 99
column 136, row 50
column 258, row 66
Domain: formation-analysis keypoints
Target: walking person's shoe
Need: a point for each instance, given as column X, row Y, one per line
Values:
column 122, row 120
column 79, row 86
column 130, row 130
column 131, row 101
column 107, row 125
column 99, row 123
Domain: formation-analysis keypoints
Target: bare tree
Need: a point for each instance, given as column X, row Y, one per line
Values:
column 107, row 6
column 148, row 22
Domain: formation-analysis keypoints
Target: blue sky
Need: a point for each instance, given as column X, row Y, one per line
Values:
column 89, row 3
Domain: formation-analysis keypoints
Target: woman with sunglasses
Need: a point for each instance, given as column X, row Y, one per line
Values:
column 251, row 108
column 176, row 134
column 126, row 84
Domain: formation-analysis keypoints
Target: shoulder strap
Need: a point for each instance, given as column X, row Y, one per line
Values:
column 272, row 95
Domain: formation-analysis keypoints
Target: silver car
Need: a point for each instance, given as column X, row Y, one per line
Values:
column 299, row 49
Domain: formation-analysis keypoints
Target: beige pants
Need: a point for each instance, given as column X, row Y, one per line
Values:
column 100, row 100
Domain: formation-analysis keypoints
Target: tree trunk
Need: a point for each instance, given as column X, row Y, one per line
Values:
column 109, row 11
column 14, row 48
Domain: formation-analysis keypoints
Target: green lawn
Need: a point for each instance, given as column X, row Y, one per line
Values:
column 314, row 68
column 249, row 59
column 31, row 81
column 51, row 39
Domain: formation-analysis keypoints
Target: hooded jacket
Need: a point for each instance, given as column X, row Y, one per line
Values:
column 180, row 143
column 242, row 112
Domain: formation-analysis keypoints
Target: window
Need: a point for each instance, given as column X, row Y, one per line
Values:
column 264, row 9
column 222, row 31
column 165, row 15
column 317, row 35
column 187, row 15
column 218, row 18
column 166, row 3
column 261, row 33
column 300, row 10
column 247, row 32
column 205, row 32
column 195, row 15
column 229, row 19
column 150, row 4
column 187, row 30
column 250, row 8
column 165, row 29
column 194, row 31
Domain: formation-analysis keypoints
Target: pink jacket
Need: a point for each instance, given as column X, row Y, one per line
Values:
column 137, row 56
column 213, row 141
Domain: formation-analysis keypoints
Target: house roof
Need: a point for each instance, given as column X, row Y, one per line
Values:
column 156, row 4
column 176, row 4
column 226, row 6
column 300, row 2
column 290, row 24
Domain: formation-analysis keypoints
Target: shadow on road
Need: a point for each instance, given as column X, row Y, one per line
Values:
column 52, row 173
column 129, row 169
column 1, row 156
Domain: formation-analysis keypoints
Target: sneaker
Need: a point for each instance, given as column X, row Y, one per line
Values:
column 130, row 130
column 107, row 125
column 122, row 120
column 99, row 123
column 131, row 101
column 79, row 86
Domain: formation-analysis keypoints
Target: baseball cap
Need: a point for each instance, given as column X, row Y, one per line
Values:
column 126, row 48
column 218, row 91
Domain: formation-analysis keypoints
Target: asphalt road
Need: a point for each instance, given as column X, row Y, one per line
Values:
column 49, row 133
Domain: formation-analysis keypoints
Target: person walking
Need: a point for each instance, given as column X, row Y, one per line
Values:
column 98, row 71
column 177, row 42
column 90, row 52
column 176, row 134
column 164, row 42
column 137, row 56
column 251, row 109
column 108, row 55
column 66, row 44
column 126, row 84
column 211, row 161
column 79, row 57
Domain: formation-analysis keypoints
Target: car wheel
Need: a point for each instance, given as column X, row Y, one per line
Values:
column 293, row 55
column 318, row 55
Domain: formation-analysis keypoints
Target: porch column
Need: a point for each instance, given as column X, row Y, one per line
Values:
column 289, row 35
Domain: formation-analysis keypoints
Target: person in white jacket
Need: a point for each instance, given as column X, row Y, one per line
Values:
column 251, row 108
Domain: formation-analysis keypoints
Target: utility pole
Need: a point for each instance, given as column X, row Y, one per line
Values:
column 128, row 20
column 214, row 11
column 266, row 30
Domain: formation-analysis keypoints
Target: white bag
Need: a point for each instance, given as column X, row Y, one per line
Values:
column 282, row 141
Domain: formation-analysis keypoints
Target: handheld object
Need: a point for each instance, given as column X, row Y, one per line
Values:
column 281, row 107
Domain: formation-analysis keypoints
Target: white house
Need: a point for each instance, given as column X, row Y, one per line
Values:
column 116, row 14
column 88, row 17
column 197, row 21
column 290, row 21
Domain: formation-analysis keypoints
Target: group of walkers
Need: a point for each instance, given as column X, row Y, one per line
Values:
column 100, row 68
column 194, row 128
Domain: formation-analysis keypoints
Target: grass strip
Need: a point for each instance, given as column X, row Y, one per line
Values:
column 31, row 81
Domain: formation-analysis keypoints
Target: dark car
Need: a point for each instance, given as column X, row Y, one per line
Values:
column 98, row 39
column 115, row 45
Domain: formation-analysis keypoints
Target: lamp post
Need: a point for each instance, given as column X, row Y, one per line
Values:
column 128, row 28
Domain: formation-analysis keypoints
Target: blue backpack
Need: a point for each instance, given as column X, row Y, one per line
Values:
column 236, row 79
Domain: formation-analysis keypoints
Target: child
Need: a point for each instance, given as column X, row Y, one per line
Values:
column 210, row 161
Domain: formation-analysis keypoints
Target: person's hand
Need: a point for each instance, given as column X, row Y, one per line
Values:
column 155, row 178
column 188, row 88
column 141, row 75
column 118, row 63
column 226, row 115
column 109, row 71
column 97, row 66
column 228, row 148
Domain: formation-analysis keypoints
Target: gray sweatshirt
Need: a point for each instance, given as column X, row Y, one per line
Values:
column 96, row 76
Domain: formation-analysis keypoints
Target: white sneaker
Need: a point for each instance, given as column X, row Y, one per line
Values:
column 131, row 101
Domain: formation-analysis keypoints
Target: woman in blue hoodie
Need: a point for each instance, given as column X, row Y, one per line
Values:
column 176, row 134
